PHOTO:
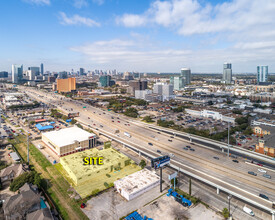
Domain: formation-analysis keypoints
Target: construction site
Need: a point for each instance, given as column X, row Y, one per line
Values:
column 87, row 179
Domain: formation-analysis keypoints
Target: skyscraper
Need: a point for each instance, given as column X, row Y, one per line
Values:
column 81, row 71
column 42, row 69
column 227, row 73
column 16, row 73
column 178, row 82
column 35, row 69
column 186, row 74
column 262, row 73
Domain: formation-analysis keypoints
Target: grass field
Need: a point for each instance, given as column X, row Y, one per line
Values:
column 96, row 178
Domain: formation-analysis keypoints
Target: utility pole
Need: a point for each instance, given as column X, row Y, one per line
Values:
column 229, row 198
column 28, row 148
column 228, row 138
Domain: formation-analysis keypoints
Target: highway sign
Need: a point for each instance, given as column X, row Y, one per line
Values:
column 173, row 175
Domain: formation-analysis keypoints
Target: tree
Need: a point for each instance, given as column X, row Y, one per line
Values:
column 148, row 119
column 225, row 213
column 142, row 164
column 28, row 177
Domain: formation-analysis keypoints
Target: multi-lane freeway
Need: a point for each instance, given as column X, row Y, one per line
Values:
column 222, row 172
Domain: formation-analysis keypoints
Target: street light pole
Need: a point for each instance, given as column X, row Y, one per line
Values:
column 228, row 139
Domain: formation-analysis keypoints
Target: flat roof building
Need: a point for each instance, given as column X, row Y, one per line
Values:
column 136, row 184
column 68, row 140
column 66, row 85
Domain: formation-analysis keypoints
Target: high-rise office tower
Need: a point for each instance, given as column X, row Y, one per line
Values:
column 16, row 73
column 81, row 71
column 42, row 69
column 30, row 74
column 186, row 74
column 262, row 73
column 4, row 74
column 35, row 69
column 227, row 73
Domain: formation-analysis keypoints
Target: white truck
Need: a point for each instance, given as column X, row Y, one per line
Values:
column 248, row 211
column 127, row 134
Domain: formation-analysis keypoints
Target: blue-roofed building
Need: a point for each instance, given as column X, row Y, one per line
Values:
column 41, row 127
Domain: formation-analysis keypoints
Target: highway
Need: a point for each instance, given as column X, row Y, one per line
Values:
column 222, row 172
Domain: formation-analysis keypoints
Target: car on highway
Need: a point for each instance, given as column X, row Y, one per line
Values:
column 171, row 136
column 188, row 146
column 158, row 132
column 88, row 117
column 192, row 149
column 170, row 140
column 159, row 151
column 262, row 170
column 113, row 121
column 233, row 156
column 252, row 173
column 185, row 148
column 118, row 121
column 150, row 144
column 267, row 176
column 217, row 158
column 235, row 161
column 263, row 196
column 171, row 155
column 259, row 164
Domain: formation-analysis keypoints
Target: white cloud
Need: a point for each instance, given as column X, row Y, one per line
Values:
column 77, row 20
column 80, row 3
column 189, row 17
column 141, row 54
column 38, row 2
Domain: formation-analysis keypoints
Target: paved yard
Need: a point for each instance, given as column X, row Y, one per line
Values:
column 111, row 205
column 167, row 208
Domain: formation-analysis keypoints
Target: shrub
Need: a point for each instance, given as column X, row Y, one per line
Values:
column 108, row 175
column 106, row 184
column 225, row 213
column 127, row 162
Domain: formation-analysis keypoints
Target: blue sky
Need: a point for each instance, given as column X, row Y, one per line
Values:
column 138, row 35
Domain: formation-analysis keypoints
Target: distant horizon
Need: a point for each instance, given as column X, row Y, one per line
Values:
column 140, row 35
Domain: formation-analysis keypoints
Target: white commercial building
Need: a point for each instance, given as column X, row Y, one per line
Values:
column 210, row 114
column 165, row 90
column 141, row 94
column 69, row 140
column 136, row 184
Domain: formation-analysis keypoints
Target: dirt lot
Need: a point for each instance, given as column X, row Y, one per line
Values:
column 167, row 208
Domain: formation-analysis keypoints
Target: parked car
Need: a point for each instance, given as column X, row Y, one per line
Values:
column 150, row 144
column 192, row 149
column 216, row 158
column 235, row 161
column 159, row 151
column 170, row 140
column 185, row 148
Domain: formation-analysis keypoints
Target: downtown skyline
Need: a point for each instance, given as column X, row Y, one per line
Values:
column 145, row 36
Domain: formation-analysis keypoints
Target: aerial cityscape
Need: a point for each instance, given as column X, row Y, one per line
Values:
column 137, row 110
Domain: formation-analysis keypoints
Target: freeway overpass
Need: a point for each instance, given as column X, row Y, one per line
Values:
column 266, row 160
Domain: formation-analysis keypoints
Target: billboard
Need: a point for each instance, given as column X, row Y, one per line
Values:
column 160, row 162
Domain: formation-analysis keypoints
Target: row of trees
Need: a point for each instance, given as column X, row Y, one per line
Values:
column 28, row 177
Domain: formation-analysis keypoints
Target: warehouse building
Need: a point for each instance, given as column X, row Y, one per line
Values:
column 136, row 184
column 69, row 140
